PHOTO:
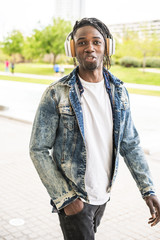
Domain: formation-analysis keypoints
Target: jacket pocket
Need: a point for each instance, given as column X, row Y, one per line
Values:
column 68, row 126
column 68, row 121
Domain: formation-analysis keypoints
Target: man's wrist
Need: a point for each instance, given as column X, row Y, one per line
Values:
column 149, row 193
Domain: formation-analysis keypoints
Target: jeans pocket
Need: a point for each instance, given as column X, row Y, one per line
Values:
column 77, row 214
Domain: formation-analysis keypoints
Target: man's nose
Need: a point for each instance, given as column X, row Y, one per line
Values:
column 89, row 47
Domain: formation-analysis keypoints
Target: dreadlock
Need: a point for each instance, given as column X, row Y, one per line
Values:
column 100, row 26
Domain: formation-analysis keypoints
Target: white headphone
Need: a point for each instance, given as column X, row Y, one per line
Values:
column 70, row 46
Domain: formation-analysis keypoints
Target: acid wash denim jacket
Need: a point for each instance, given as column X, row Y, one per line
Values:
column 57, row 145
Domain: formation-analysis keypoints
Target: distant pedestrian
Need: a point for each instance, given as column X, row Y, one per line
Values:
column 56, row 68
column 6, row 65
column 12, row 67
column 62, row 70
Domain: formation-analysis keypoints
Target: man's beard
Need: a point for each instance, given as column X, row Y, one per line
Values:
column 91, row 66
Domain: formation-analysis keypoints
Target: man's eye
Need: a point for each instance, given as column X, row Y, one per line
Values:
column 81, row 43
column 97, row 42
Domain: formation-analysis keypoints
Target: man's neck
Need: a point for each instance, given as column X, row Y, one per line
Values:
column 91, row 76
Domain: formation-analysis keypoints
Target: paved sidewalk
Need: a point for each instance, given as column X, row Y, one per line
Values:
column 24, row 197
column 54, row 78
column 25, row 75
column 153, row 70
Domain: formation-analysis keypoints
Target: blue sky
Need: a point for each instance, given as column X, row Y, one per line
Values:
column 26, row 15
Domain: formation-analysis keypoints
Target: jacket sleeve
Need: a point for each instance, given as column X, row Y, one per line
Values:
column 41, row 142
column 134, row 156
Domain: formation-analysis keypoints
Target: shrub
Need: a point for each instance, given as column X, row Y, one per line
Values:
column 153, row 62
column 130, row 62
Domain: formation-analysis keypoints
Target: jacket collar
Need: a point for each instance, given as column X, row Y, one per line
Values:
column 111, row 78
column 108, row 77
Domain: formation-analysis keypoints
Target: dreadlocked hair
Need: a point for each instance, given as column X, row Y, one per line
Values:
column 101, row 27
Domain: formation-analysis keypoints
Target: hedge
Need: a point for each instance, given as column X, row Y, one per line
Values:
column 130, row 62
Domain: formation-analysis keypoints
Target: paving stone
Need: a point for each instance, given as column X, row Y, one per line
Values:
column 24, row 237
column 9, row 237
column 125, row 217
column 3, row 232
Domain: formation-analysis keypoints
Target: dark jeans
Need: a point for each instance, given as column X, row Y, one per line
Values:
column 83, row 225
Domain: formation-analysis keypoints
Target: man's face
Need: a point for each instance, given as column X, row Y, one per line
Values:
column 89, row 47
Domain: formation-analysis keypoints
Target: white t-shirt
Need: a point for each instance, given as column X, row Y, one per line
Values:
column 98, row 130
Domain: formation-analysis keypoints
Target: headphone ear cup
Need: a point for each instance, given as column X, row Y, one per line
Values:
column 107, row 47
column 66, row 48
column 113, row 46
column 110, row 50
column 72, row 47
column 69, row 48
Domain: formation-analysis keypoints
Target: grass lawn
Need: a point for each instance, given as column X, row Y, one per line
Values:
column 133, row 75
column 144, row 92
column 128, row 75
column 34, row 68
column 29, row 80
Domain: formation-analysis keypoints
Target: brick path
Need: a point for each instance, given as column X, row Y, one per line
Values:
column 23, row 196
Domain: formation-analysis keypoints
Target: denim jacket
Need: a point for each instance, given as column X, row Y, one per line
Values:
column 57, row 145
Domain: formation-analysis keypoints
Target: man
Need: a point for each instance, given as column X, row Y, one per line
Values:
column 82, row 124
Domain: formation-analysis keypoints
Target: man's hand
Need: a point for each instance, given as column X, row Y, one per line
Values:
column 74, row 207
column 154, row 206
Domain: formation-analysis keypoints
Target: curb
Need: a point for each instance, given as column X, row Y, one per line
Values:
column 16, row 119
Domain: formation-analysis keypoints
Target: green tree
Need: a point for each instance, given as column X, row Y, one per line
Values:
column 13, row 43
column 128, row 45
column 139, row 45
column 54, row 36
column 33, row 46
column 49, row 40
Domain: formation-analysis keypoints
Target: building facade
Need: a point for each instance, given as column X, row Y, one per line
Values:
column 146, row 28
column 69, row 9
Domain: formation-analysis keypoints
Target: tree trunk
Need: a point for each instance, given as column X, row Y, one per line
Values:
column 54, row 59
column 13, row 58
